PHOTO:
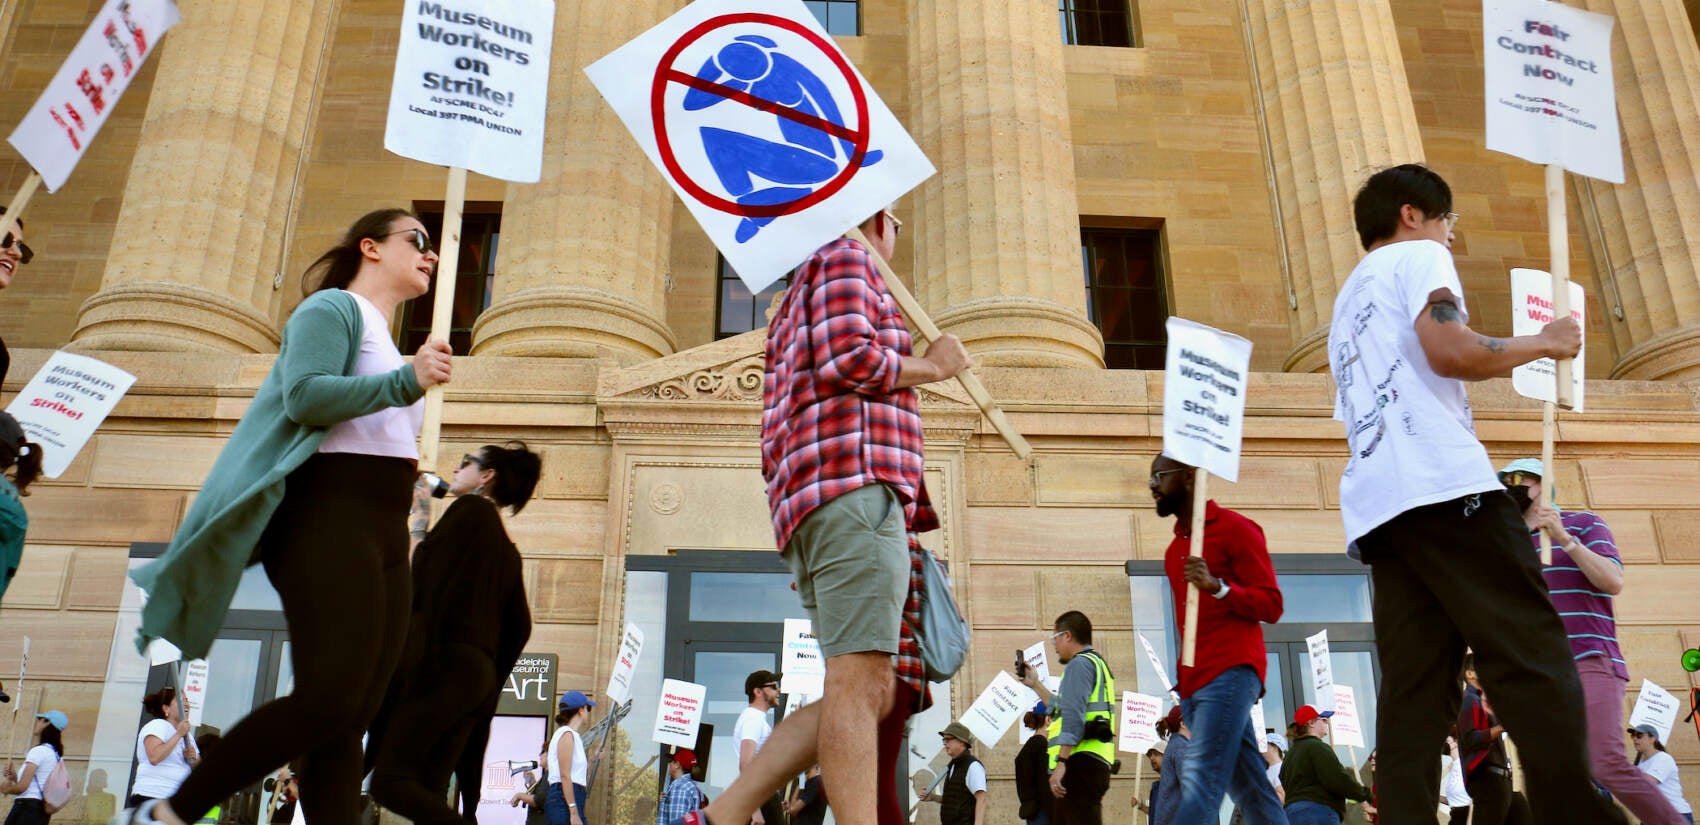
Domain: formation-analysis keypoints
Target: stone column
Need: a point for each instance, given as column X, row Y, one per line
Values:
column 1650, row 225
column 198, row 241
column 584, row 251
column 997, row 230
column 1336, row 106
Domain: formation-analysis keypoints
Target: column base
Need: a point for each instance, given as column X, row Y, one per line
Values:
column 164, row 316
column 1024, row 332
column 570, row 322
column 1674, row 356
column 1311, row 354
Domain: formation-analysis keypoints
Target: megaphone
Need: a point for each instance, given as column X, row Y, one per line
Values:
column 1691, row 660
column 517, row 768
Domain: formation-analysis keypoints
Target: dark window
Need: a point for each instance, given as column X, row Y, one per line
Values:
column 1096, row 22
column 480, row 228
column 1125, row 295
column 736, row 311
column 838, row 17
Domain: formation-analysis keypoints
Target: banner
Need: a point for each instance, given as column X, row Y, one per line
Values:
column 530, row 689
column 1321, row 670
column 471, row 87
column 63, row 404
column 1531, row 309
column 1345, row 727
column 680, row 713
column 802, row 667
column 195, row 690
column 625, row 664
column 1139, row 716
column 1549, row 92
column 763, row 127
column 996, row 709
column 1204, row 387
column 1657, row 707
column 57, row 130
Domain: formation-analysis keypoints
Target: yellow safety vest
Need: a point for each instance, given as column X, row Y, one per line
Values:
column 1099, row 705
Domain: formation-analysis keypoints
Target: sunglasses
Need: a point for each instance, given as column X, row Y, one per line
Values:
column 420, row 241
column 23, row 248
column 469, row 459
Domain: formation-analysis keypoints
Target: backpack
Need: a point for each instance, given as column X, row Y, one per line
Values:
column 943, row 635
column 56, row 789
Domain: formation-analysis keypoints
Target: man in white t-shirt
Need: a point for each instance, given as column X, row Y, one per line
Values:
column 761, row 688
column 1447, row 547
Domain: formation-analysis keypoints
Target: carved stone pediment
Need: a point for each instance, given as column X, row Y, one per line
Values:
column 725, row 370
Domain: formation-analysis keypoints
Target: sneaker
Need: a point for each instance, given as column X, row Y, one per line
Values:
column 140, row 815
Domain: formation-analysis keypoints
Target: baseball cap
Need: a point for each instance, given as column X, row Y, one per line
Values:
column 1277, row 740
column 1647, row 729
column 1159, row 747
column 687, row 760
column 573, row 700
column 56, row 718
column 1527, row 466
column 1306, row 714
column 959, row 732
column 1041, row 710
column 1174, row 718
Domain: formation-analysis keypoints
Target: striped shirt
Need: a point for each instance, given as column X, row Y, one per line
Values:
column 1587, row 612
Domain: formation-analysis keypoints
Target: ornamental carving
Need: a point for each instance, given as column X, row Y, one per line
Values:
column 738, row 381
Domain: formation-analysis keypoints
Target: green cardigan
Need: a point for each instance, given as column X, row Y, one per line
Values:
column 310, row 387
column 14, row 522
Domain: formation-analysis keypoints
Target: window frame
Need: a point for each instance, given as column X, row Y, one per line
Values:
column 1162, row 283
column 400, row 327
column 723, row 272
column 1069, row 13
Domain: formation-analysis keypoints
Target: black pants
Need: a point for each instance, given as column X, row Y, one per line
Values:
column 426, row 733
column 1085, row 782
column 336, row 552
column 27, row 812
column 1490, row 794
column 1461, row 573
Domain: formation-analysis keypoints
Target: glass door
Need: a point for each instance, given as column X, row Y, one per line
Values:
column 722, row 668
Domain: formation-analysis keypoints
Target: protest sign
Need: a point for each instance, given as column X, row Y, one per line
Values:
column 1657, row 707
column 1038, row 659
column 1156, row 663
column 1139, row 716
column 1204, row 387
column 63, row 404
column 470, row 88
column 625, row 664
column 1532, row 309
column 802, row 668
column 773, row 140
column 1321, row 670
column 1347, row 730
column 57, row 130
column 679, row 714
column 1549, row 92
column 162, row 652
column 195, row 690
column 1259, row 725
column 1002, row 702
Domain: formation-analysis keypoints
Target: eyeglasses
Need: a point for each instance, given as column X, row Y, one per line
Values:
column 26, row 254
column 1451, row 219
column 896, row 225
column 1056, row 634
column 1157, row 476
column 1517, row 479
column 420, row 241
column 469, row 459
column 771, row 685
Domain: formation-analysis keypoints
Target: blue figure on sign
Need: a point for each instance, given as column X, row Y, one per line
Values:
column 787, row 170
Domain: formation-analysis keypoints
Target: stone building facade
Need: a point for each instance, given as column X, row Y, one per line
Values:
column 1210, row 149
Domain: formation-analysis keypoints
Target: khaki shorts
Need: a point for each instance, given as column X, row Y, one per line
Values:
column 851, row 561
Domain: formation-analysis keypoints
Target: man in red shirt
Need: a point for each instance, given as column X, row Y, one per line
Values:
column 841, row 447
column 1237, row 591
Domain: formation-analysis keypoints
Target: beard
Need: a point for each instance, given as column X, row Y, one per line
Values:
column 1168, row 505
column 1520, row 494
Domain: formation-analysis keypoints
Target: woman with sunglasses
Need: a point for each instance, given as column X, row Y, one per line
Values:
column 14, row 253
column 1654, row 761
column 314, row 484
column 470, row 622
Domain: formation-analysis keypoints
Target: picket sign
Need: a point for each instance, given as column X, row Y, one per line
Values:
column 18, row 691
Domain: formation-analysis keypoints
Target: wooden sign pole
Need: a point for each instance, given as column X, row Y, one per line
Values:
column 1138, row 780
column 913, row 312
column 1558, row 248
column 442, row 310
column 15, row 209
column 1200, row 499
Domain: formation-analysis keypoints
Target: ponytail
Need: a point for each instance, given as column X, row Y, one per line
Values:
column 517, row 469
column 338, row 266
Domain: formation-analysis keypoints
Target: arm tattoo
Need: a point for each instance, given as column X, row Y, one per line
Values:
column 1490, row 344
column 1445, row 312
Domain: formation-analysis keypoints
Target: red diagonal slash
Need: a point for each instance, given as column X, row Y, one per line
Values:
column 754, row 102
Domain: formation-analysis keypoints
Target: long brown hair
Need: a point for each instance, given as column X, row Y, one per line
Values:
column 25, row 454
column 338, row 266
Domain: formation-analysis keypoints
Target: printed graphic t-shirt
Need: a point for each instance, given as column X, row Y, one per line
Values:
column 1412, row 439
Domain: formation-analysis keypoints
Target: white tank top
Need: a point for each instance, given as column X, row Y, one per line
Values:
column 393, row 431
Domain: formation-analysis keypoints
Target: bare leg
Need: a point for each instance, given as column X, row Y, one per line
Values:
column 858, row 694
column 789, row 751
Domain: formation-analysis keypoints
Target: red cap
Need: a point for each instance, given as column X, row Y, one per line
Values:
column 1307, row 714
column 686, row 759
column 1174, row 718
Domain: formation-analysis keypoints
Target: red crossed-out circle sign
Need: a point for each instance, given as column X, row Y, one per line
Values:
column 666, row 73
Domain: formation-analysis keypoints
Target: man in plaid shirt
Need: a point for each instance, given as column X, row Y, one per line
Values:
column 682, row 795
column 842, row 454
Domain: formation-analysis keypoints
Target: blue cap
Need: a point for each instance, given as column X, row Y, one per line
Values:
column 1527, row 466
column 573, row 700
column 56, row 718
column 1041, row 709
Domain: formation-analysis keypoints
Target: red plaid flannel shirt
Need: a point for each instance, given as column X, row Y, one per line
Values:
column 833, row 418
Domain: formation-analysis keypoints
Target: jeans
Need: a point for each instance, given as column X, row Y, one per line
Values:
column 555, row 806
column 1044, row 817
column 1311, row 813
column 1225, row 754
